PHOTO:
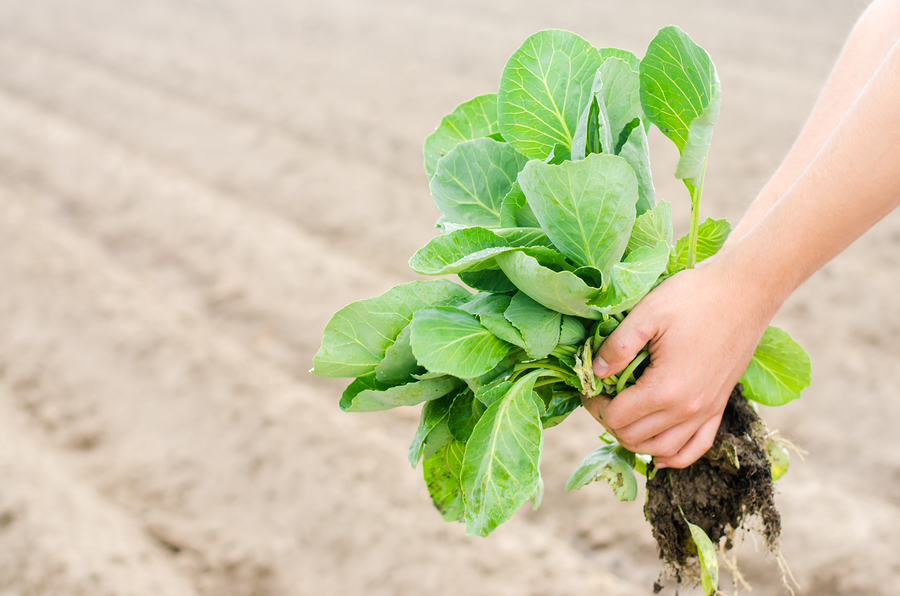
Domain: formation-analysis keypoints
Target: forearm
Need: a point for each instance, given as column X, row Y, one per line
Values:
column 875, row 33
column 851, row 183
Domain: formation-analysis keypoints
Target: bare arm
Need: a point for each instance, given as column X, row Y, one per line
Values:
column 702, row 325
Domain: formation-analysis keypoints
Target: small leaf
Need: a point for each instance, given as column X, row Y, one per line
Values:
column 572, row 331
column 544, row 86
column 562, row 291
column 439, row 436
column 681, row 94
column 465, row 412
column 472, row 180
column 442, row 476
column 587, row 207
column 632, row 279
column 651, row 228
column 490, row 280
column 709, row 562
column 606, row 463
column 559, row 409
column 711, row 236
column 366, row 394
column 466, row 249
column 433, row 413
column 398, row 364
column 779, row 458
column 636, row 151
column 501, row 465
column 472, row 120
column 778, row 370
column 514, row 210
column 357, row 336
column 539, row 326
column 452, row 341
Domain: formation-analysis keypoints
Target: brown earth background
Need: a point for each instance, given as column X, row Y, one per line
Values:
column 188, row 191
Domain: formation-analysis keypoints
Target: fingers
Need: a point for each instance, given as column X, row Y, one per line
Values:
column 694, row 449
column 623, row 345
column 594, row 405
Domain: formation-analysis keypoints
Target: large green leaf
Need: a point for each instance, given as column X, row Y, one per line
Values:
column 472, row 120
column 587, row 207
column 501, row 465
column 433, row 413
column 465, row 249
column 398, row 364
column 651, row 228
column 562, row 291
column 544, row 87
column 442, row 476
column 449, row 340
column 778, row 370
column 607, row 463
column 357, row 336
column 538, row 325
column 636, row 151
column 367, row 394
column 680, row 94
column 472, row 180
column 632, row 279
column 711, row 236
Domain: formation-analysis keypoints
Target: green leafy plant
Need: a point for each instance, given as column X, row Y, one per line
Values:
column 551, row 216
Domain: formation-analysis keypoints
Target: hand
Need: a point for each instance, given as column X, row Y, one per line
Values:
column 702, row 329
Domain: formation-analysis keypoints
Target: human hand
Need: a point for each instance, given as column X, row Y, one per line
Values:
column 702, row 328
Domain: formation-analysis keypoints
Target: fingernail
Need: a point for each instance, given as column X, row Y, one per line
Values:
column 660, row 465
column 600, row 367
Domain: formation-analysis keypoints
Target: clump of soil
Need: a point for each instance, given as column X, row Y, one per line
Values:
column 721, row 492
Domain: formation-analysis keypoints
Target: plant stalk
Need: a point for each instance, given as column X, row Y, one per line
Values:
column 696, row 191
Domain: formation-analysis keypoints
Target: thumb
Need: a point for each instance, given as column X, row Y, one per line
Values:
column 621, row 347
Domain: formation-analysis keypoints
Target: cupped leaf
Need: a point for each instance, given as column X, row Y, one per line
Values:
column 592, row 133
column 472, row 180
column 632, row 279
column 613, row 106
column 491, row 280
column 466, row 249
column 398, row 364
column 503, row 455
column 709, row 562
column 681, row 94
column 451, row 341
column 357, row 336
column 367, row 394
column 544, row 87
column 472, row 120
column 610, row 463
column 633, row 61
column 587, row 207
column 778, row 370
column 514, row 210
column 572, row 331
column 442, row 476
column 636, row 151
column 711, row 236
column 651, row 228
column 538, row 325
column 562, row 291
column 433, row 413
column 559, row 409
column 465, row 413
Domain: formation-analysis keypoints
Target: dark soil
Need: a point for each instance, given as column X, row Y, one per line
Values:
column 729, row 488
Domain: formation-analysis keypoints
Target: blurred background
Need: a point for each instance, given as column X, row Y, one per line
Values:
column 189, row 190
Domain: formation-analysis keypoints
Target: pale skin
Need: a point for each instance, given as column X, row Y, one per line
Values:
column 841, row 177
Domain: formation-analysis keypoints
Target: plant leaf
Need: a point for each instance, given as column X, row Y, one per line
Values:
column 606, row 463
column 586, row 207
column 778, row 370
column 681, row 94
column 433, row 413
column 632, row 279
column 636, row 151
column 711, row 236
column 357, row 336
column 471, row 120
column 399, row 364
column 572, row 331
column 544, row 87
column 501, row 465
column 367, row 394
column 616, row 94
column 472, row 180
column 651, row 228
column 442, row 476
column 538, row 325
column 466, row 249
column 491, row 280
column 489, row 309
column 562, row 291
column 452, row 341
column 514, row 210
column 559, row 409
column 709, row 562
column 465, row 412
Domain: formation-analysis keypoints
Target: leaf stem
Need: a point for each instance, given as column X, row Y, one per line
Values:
column 696, row 191
column 623, row 377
